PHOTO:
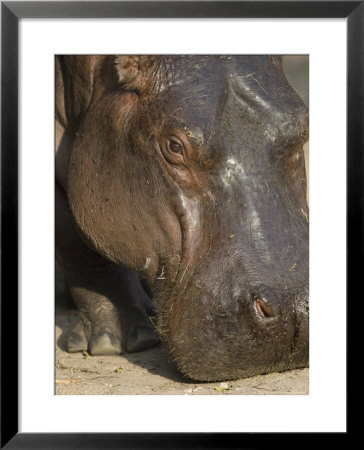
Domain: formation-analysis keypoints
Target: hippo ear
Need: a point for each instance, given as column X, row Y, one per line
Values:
column 138, row 72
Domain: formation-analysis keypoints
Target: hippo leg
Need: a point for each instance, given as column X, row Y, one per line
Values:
column 135, row 310
column 109, row 298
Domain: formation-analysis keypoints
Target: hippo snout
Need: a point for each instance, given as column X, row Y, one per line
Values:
column 263, row 330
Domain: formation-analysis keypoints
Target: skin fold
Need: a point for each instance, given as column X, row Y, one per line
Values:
column 181, row 194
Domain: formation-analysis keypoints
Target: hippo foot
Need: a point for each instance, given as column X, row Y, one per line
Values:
column 104, row 343
column 139, row 335
column 141, row 338
column 76, row 341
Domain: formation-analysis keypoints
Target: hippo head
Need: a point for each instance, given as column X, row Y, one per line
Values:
column 190, row 170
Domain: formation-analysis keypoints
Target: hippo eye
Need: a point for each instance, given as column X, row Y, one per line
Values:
column 174, row 146
column 173, row 150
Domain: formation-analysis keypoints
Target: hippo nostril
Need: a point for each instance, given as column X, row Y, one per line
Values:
column 263, row 308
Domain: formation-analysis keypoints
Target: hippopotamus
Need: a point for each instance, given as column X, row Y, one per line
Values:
column 181, row 210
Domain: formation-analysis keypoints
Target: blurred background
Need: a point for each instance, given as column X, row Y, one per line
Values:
column 296, row 68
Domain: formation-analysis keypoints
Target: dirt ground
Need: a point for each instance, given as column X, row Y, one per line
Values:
column 150, row 372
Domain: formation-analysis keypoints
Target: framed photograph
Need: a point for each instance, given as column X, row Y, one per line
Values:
column 35, row 36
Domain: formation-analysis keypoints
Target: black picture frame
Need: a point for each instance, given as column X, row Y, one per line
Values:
column 11, row 12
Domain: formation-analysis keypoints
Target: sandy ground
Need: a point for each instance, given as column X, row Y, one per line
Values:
column 150, row 372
